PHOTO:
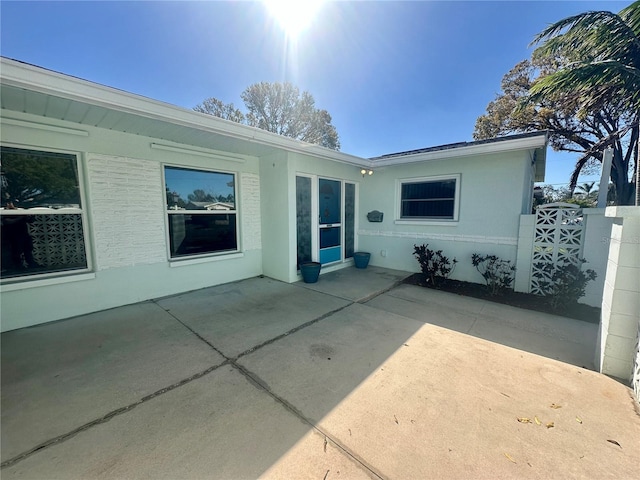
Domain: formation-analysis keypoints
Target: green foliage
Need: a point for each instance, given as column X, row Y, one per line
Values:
column 582, row 86
column 435, row 267
column 563, row 284
column 279, row 108
column 31, row 179
column 498, row 274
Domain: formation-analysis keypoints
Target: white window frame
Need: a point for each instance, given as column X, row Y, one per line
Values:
column 200, row 257
column 62, row 276
column 428, row 220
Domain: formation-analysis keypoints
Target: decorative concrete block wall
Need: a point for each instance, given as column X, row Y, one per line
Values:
column 618, row 345
column 594, row 240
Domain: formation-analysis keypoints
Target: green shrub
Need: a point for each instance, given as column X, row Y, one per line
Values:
column 564, row 283
column 435, row 267
column 498, row 274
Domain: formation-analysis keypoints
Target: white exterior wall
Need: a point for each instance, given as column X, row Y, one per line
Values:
column 276, row 206
column 494, row 190
column 597, row 233
column 620, row 321
column 125, row 224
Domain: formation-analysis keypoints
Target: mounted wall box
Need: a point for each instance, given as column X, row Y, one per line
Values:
column 375, row 216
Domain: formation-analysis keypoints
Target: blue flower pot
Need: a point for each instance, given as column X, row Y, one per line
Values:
column 361, row 259
column 310, row 271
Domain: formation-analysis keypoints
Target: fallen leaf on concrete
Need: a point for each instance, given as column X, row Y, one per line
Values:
column 550, row 425
column 537, row 421
column 325, row 475
column 505, row 395
column 325, row 446
column 578, row 419
column 614, row 442
column 396, row 418
column 553, row 405
column 509, row 457
column 524, row 420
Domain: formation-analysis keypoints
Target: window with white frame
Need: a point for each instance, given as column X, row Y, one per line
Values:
column 430, row 198
column 201, row 211
column 41, row 212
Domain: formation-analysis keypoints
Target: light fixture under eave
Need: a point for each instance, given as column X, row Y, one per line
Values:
column 365, row 172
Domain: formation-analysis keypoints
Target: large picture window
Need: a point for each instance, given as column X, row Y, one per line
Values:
column 201, row 211
column 429, row 198
column 41, row 212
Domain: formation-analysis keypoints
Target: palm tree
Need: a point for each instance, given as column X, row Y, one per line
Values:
column 604, row 68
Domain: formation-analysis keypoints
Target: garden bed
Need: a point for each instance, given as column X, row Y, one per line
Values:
column 529, row 301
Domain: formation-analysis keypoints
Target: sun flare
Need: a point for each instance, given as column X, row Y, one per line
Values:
column 293, row 15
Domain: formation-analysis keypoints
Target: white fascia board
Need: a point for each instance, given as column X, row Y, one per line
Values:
column 30, row 77
column 498, row 146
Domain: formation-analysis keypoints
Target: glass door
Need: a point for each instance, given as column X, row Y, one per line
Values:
column 330, row 217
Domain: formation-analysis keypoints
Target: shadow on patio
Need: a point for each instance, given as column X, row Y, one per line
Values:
column 352, row 377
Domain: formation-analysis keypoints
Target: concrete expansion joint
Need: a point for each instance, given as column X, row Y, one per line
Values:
column 381, row 292
column 292, row 331
column 107, row 417
column 263, row 386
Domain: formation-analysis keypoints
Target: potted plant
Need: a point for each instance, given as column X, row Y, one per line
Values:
column 361, row 259
column 310, row 271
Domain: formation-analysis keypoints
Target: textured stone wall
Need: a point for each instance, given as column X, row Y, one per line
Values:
column 127, row 214
column 250, row 212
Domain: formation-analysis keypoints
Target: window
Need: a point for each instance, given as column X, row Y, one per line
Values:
column 42, row 214
column 429, row 198
column 201, row 210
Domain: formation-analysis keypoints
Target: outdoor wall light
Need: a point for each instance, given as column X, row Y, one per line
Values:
column 365, row 172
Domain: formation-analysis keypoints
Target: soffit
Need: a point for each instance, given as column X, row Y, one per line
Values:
column 83, row 113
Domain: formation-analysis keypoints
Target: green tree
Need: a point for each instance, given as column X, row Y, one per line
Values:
column 606, row 47
column 543, row 93
column 279, row 108
column 218, row 108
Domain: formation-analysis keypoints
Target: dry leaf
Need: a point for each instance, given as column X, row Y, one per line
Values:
column 537, row 421
column 553, row 405
column 509, row 457
column 614, row 442
column 578, row 419
column 550, row 425
column 524, row 420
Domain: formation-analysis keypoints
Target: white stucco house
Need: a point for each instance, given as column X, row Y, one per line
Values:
column 101, row 181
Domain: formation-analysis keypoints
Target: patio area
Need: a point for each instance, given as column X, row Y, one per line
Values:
column 357, row 376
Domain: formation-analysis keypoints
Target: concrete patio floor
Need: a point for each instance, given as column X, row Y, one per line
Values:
column 356, row 376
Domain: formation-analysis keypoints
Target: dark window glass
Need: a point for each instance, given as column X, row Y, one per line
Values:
column 434, row 199
column 349, row 218
column 193, row 234
column 201, row 212
column 52, row 238
column 303, row 219
column 329, row 237
column 329, row 193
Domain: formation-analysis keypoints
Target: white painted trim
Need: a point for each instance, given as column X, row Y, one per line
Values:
column 428, row 221
column 24, row 283
column 463, row 151
column 41, row 126
column 441, row 236
column 235, row 211
column 183, row 262
column 200, row 152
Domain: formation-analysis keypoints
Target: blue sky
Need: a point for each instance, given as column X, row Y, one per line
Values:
column 394, row 75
